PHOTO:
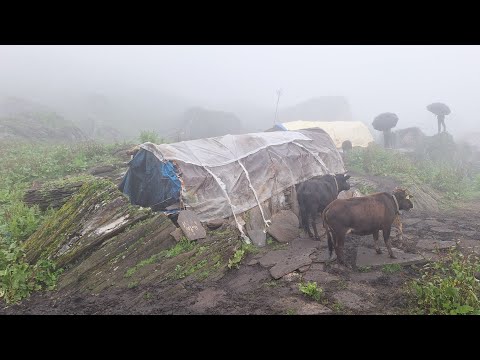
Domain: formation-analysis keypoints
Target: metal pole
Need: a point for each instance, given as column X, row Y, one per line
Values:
column 279, row 92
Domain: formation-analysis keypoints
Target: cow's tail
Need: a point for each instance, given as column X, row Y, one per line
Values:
column 329, row 232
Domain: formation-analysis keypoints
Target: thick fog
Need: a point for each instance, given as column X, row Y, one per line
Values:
column 244, row 79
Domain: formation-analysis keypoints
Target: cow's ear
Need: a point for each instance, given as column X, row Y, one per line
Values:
column 347, row 177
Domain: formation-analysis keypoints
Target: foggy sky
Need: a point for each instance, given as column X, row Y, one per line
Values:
column 375, row 79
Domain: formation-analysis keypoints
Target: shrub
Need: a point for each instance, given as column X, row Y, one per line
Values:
column 448, row 286
column 310, row 289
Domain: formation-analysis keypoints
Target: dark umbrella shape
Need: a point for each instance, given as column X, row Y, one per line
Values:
column 384, row 122
column 439, row 108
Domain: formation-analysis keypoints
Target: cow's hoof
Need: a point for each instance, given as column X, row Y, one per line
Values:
column 379, row 251
column 393, row 256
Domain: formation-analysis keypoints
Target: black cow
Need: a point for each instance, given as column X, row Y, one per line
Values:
column 315, row 194
column 365, row 215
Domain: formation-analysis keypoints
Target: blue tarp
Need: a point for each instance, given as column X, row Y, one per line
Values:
column 150, row 182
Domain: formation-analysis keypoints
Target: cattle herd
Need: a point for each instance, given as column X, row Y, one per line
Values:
column 365, row 215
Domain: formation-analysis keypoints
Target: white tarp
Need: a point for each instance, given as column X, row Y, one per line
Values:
column 355, row 131
column 230, row 174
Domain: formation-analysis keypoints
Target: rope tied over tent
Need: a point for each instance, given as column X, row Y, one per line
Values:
column 267, row 222
column 224, row 189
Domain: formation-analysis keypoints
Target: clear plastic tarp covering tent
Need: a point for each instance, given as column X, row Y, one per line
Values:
column 228, row 175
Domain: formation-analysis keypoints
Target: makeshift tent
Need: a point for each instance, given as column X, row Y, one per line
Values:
column 223, row 176
column 355, row 131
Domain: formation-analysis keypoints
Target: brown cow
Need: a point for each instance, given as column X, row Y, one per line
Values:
column 365, row 215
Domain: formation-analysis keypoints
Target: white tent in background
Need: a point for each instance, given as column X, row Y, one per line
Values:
column 355, row 131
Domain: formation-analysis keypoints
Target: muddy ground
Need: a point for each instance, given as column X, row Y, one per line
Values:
column 251, row 289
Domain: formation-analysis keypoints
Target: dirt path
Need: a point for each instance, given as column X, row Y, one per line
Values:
column 252, row 289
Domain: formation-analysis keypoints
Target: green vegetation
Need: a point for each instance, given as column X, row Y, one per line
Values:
column 236, row 259
column 20, row 165
column 310, row 289
column 338, row 307
column 150, row 136
column 391, row 268
column 364, row 268
column 18, row 278
column 415, row 169
column 240, row 254
column 366, row 189
column 448, row 286
column 182, row 246
column 272, row 283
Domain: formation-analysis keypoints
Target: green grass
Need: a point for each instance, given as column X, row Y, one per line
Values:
column 414, row 169
column 150, row 136
column 311, row 289
column 391, row 268
column 448, row 286
column 20, row 165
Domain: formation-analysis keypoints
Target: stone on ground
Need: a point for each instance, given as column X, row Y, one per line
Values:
column 369, row 257
column 284, row 226
column 191, row 225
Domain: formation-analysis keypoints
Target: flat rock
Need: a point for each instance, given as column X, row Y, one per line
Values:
column 317, row 267
column 293, row 261
column 284, row 226
column 304, row 268
column 252, row 262
column 258, row 237
column 215, row 224
column 322, row 256
column 273, row 257
column 177, row 234
column 255, row 226
column 191, row 225
column 441, row 229
column 352, row 300
column 320, row 277
column 435, row 244
column 369, row 257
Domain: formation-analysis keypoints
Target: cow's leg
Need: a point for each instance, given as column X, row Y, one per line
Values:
column 314, row 224
column 306, row 221
column 400, row 229
column 339, row 246
column 331, row 243
column 386, row 238
column 397, row 223
column 377, row 245
column 439, row 126
column 302, row 215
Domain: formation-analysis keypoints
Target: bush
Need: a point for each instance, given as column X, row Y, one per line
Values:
column 18, row 278
column 441, row 175
column 150, row 136
column 448, row 286
column 310, row 289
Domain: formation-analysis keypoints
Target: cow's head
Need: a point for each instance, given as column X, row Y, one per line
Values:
column 404, row 199
column 342, row 182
